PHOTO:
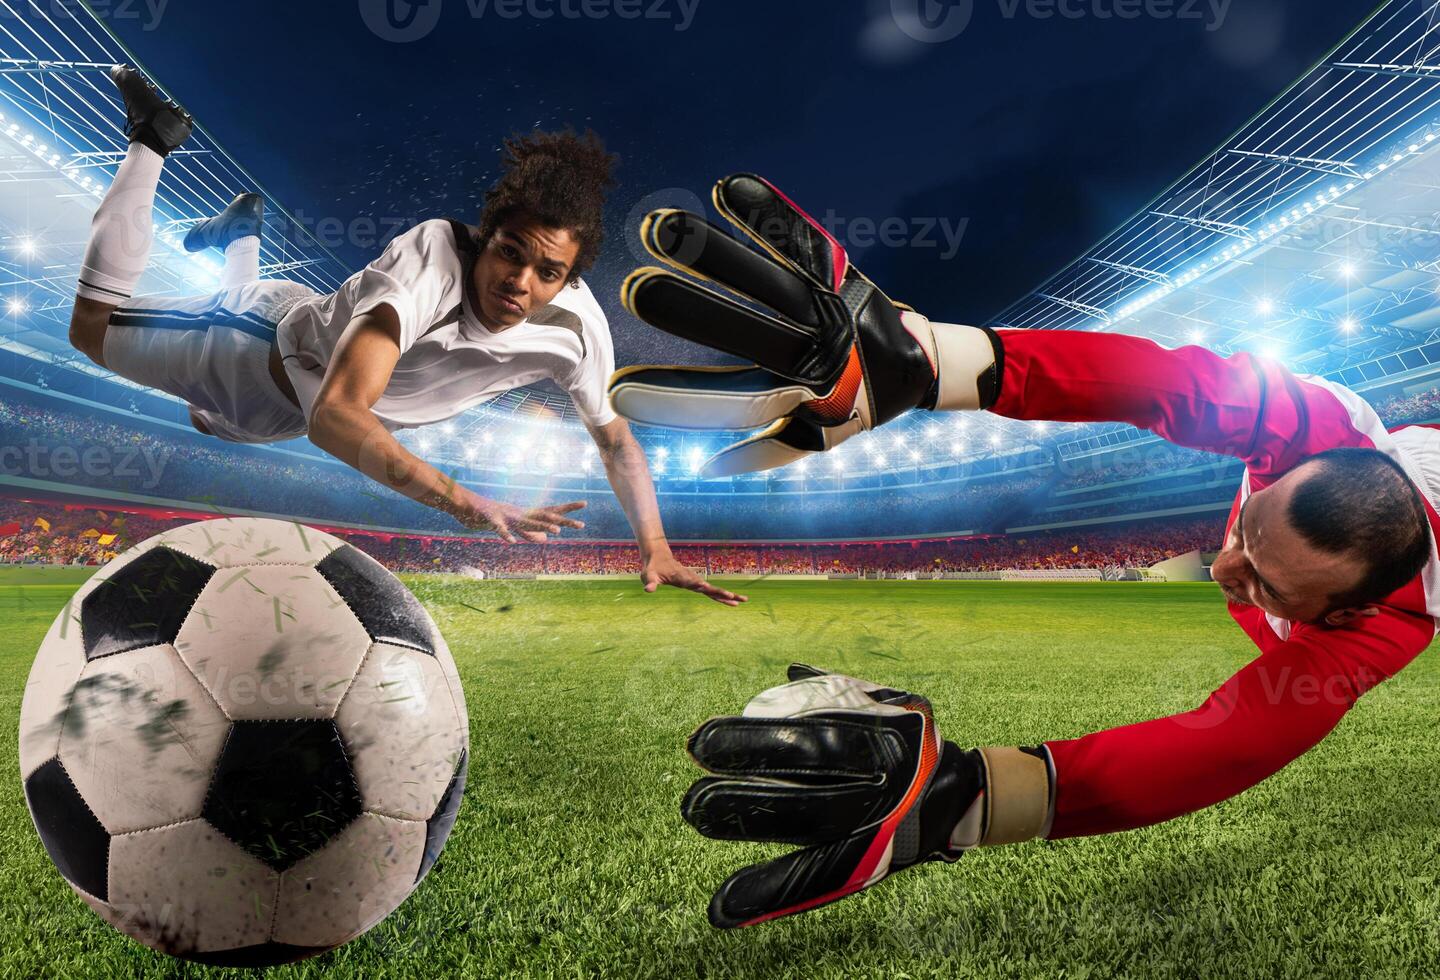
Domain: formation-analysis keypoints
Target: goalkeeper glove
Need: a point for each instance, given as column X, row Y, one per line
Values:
column 858, row 776
column 836, row 356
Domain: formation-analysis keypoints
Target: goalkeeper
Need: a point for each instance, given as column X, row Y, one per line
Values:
column 1328, row 562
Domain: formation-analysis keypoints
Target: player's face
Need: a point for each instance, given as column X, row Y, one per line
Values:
column 1266, row 562
column 523, row 267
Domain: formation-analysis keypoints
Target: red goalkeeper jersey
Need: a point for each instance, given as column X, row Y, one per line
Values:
column 1307, row 676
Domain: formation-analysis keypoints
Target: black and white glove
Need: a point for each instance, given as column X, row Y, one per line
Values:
column 833, row 354
column 858, row 776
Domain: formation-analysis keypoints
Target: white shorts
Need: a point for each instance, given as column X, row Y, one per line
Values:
column 213, row 351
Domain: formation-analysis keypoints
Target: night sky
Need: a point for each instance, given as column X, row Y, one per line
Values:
column 1030, row 136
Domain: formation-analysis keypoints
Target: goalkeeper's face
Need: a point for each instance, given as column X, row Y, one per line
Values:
column 1267, row 563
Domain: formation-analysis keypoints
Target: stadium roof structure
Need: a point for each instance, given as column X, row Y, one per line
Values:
column 1311, row 235
column 61, row 138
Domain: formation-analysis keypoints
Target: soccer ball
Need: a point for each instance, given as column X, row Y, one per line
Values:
column 243, row 742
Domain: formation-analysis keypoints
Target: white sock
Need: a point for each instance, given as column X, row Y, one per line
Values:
column 122, row 230
column 242, row 262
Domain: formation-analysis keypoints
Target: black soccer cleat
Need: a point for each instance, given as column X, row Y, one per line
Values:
column 244, row 217
column 150, row 118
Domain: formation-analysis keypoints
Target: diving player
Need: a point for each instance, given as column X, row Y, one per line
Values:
column 447, row 318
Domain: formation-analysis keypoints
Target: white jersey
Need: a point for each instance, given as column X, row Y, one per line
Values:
column 449, row 360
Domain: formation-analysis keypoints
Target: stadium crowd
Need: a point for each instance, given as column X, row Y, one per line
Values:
column 117, row 457
column 72, row 534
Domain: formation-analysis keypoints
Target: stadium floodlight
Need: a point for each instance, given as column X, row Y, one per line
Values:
column 1347, row 270
column 1197, row 337
column 448, row 429
column 424, row 445
column 27, row 246
column 956, row 448
column 932, row 431
column 1348, row 325
column 469, row 454
column 16, row 306
column 995, row 440
column 1042, row 427
column 1265, row 307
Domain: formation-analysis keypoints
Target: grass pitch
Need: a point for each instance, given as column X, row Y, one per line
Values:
column 570, row 857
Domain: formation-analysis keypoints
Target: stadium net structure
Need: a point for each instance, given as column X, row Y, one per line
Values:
column 1310, row 235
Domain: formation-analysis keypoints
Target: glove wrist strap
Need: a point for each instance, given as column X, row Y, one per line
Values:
column 1015, row 805
column 969, row 363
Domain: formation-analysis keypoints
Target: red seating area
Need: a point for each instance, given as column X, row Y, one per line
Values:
column 81, row 535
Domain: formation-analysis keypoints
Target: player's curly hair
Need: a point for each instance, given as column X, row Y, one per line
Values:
column 559, row 179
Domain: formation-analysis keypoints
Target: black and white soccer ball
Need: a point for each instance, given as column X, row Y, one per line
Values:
column 243, row 742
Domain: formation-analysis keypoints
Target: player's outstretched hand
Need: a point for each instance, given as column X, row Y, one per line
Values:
column 511, row 522
column 668, row 571
column 854, row 772
column 830, row 354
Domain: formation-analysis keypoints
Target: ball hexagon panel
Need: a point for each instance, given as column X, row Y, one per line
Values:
column 282, row 789
column 57, row 666
column 403, row 731
column 452, row 675
column 389, row 612
column 187, row 890
column 143, row 604
column 73, row 836
column 141, row 738
column 272, row 642
column 232, row 542
column 47, row 691
column 359, row 878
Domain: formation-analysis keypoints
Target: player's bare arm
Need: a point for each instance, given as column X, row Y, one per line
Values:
column 343, row 423
column 629, row 473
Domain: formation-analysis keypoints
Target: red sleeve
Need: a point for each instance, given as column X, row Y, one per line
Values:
column 1264, row 717
column 1243, row 406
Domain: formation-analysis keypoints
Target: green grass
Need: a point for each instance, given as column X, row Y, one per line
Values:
column 570, row 857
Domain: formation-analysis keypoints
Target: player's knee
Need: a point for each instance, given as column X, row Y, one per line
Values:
column 199, row 423
column 88, row 323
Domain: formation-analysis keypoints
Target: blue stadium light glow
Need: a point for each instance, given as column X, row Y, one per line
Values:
column 1298, row 181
